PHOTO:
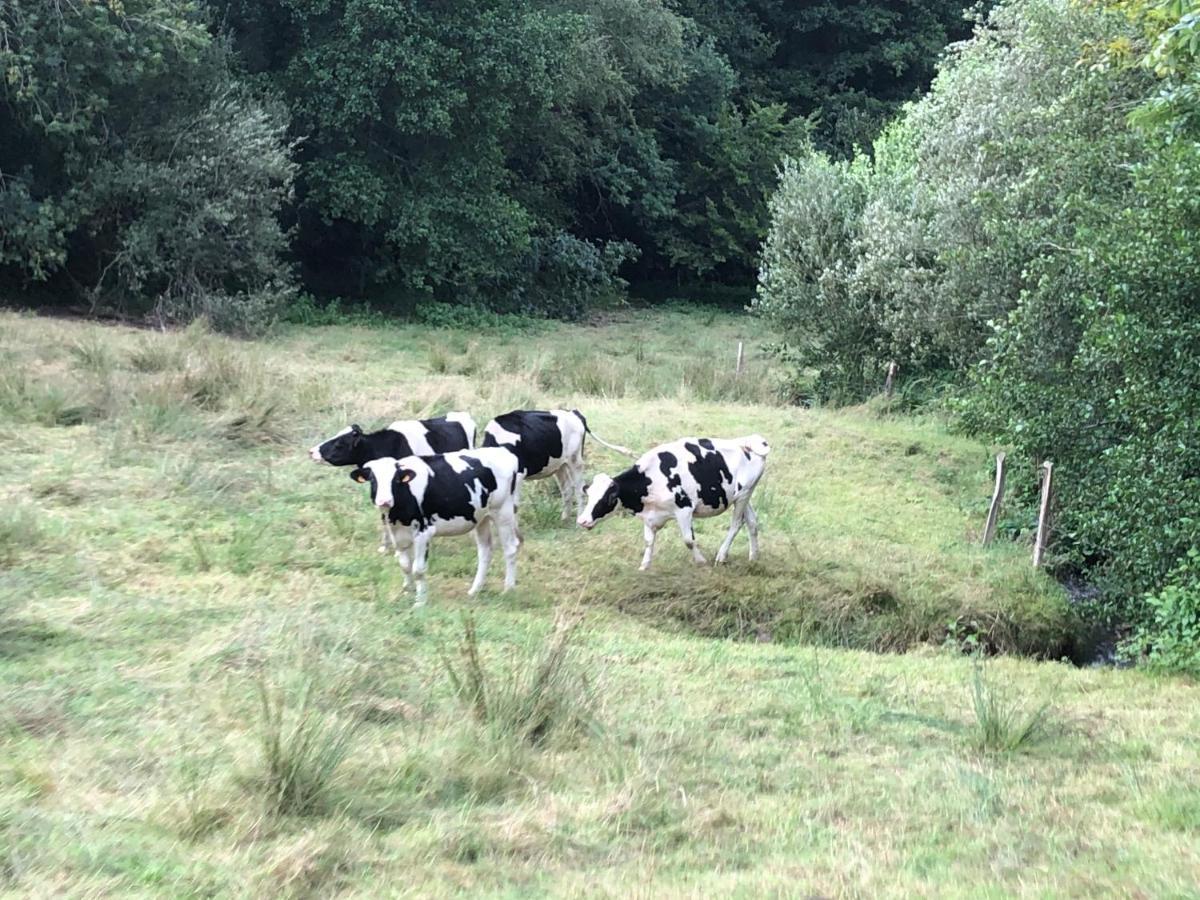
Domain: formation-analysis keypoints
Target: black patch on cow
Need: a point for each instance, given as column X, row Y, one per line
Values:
column 668, row 464
column 541, row 438
column 633, row 486
column 447, row 492
column 607, row 502
column 355, row 448
column 745, row 453
column 711, row 474
column 706, row 443
column 445, row 436
column 582, row 419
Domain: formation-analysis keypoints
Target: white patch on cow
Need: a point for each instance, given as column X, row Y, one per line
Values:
column 464, row 419
column 500, row 434
column 457, row 462
column 756, row 444
column 384, row 469
column 416, row 435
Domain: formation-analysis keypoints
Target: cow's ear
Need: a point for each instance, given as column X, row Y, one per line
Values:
column 356, row 429
column 360, row 475
column 406, row 475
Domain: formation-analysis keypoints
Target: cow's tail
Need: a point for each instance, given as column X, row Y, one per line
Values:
column 615, row 447
column 756, row 444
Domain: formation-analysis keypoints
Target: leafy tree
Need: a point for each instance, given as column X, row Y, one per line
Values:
column 134, row 164
column 1014, row 227
column 847, row 65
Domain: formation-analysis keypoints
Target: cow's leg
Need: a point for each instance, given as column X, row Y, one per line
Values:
column 516, row 506
column 511, row 543
column 566, row 487
column 385, row 535
column 752, row 530
column 576, row 466
column 404, row 557
column 649, row 533
column 420, row 551
column 483, row 546
column 684, row 518
column 738, row 516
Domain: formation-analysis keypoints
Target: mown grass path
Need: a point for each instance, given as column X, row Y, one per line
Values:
column 169, row 557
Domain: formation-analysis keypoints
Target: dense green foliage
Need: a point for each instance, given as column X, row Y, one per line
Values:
column 519, row 154
column 135, row 165
column 1015, row 224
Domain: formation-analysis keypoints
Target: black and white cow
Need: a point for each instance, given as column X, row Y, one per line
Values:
column 446, row 494
column 547, row 442
column 682, row 480
column 405, row 437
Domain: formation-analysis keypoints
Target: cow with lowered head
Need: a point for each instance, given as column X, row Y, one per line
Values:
column 683, row 480
column 405, row 437
column 547, row 442
column 446, row 494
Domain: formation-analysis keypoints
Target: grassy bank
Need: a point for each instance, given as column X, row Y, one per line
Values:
column 209, row 686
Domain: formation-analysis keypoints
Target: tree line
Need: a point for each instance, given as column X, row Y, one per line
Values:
column 213, row 156
column 1025, row 241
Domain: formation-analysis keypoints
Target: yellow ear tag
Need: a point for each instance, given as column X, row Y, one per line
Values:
column 407, row 477
column 360, row 479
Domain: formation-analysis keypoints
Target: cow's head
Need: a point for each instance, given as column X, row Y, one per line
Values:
column 339, row 450
column 602, row 498
column 384, row 475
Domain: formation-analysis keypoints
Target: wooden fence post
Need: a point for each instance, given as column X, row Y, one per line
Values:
column 737, row 370
column 890, row 383
column 989, row 530
column 1043, row 529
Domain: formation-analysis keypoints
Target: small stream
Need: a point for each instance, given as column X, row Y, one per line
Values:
column 1097, row 645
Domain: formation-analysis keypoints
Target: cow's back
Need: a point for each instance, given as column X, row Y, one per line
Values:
column 540, row 439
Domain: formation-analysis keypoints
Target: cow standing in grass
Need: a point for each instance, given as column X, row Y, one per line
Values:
column 447, row 494
column 683, row 480
column 405, row 437
column 547, row 442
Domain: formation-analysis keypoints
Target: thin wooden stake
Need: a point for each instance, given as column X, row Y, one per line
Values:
column 1043, row 529
column 737, row 370
column 989, row 530
column 890, row 383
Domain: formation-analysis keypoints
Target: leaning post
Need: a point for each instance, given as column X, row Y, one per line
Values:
column 737, row 369
column 989, row 529
column 889, row 383
column 1043, row 529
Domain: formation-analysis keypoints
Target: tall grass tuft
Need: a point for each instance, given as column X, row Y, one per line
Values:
column 38, row 402
column 542, row 693
column 155, row 353
column 305, row 731
column 93, row 355
column 1002, row 725
column 20, row 531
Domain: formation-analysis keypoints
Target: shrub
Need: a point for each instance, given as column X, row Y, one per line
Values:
column 805, row 281
column 1170, row 639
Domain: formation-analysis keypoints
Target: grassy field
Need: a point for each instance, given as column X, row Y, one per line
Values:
column 210, row 686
